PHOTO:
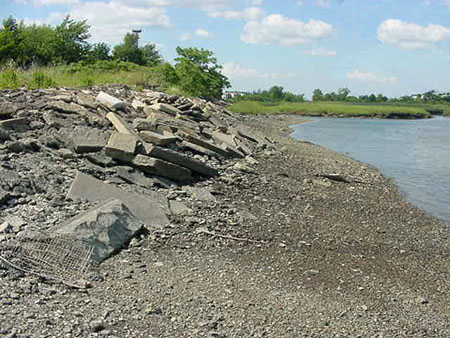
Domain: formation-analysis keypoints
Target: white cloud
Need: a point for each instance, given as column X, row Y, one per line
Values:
column 407, row 35
column 185, row 36
column 48, row 2
column 322, row 3
column 358, row 75
column 234, row 71
column 249, row 14
column 321, row 52
column 276, row 29
column 110, row 21
column 203, row 33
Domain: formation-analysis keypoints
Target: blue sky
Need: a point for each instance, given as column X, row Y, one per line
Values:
column 394, row 47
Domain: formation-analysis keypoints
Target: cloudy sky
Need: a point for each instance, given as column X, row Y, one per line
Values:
column 394, row 47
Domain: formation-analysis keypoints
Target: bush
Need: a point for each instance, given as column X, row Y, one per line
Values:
column 9, row 79
column 40, row 80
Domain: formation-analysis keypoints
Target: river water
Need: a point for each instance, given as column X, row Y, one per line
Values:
column 415, row 153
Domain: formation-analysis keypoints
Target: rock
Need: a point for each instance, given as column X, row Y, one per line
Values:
column 146, row 208
column 7, row 109
column 198, row 149
column 107, row 228
column 120, row 125
column 201, row 194
column 63, row 97
column 86, row 140
column 5, row 227
column 132, row 176
column 155, row 138
column 162, row 168
column 100, row 160
column 4, row 196
column 144, row 124
column 220, row 138
column 16, row 146
column 121, row 147
column 179, row 208
column 4, row 135
column 68, row 108
column 138, row 105
column 166, row 108
column 110, row 101
column 18, row 125
column 15, row 222
column 86, row 101
column 205, row 144
column 321, row 183
column 65, row 153
column 179, row 159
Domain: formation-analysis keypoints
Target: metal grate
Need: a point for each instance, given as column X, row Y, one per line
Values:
column 57, row 257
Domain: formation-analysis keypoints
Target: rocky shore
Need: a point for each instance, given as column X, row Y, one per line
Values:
column 264, row 236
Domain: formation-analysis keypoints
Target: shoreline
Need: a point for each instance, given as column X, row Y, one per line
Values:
column 281, row 251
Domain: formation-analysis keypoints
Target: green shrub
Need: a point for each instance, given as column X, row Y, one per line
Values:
column 40, row 80
column 9, row 79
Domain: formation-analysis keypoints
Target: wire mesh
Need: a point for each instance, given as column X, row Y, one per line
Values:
column 53, row 256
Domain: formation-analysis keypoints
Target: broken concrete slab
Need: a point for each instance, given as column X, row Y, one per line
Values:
column 158, row 139
column 68, row 108
column 149, row 209
column 220, row 138
column 7, row 109
column 143, row 124
column 132, row 176
column 110, row 101
column 179, row 159
column 86, row 140
column 138, row 105
column 107, row 228
column 166, row 108
column 121, row 147
column 4, row 135
column 4, row 196
column 18, row 124
column 120, row 125
column 201, row 194
column 198, row 149
column 159, row 167
column 86, row 101
column 205, row 144
column 178, row 208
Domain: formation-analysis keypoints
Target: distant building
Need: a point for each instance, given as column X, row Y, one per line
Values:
column 232, row 94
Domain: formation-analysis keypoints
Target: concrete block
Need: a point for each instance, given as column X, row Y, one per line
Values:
column 121, row 147
column 166, row 108
column 155, row 138
column 120, row 125
column 110, row 101
column 18, row 125
column 7, row 109
column 148, row 208
column 162, row 168
column 86, row 140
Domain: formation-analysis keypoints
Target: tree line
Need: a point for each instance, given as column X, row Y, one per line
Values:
column 275, row 93
column 196, row 71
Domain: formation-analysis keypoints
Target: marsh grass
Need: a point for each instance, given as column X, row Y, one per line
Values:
column 330, row 109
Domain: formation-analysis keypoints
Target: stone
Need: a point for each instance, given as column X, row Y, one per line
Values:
column 179, row 159
column 63, row 97
column 178, row 208
column 201, row 194
column 86, row 101
column 86, row 140
column 4, row 135
column 7, row 109
column 143, row 124
column 110, row 101
column 120, row 125
column 138, row 105
column 159, row 167
column 147, row 208
column 5, row 227
column 15, row 222
column 18, row 125
column 100, row 160
column 4, row 196
column 205, row 144
column 220, row 138
column 65, row 153
column 325, row 184
column 121, row 147
column 155, row 138
column 218, row 123
column 16, row 146
column 67, row 108
column 198, row 149
column 166, row 108
column 107, row 228
column 132, row 176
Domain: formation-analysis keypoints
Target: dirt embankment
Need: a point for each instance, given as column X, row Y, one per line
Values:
column 292, row 241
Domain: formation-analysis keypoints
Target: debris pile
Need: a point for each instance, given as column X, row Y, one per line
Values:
column 65, row 154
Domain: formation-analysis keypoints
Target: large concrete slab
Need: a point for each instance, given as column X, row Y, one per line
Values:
column 158, row 139
column 7, row 109
column 18, row 125
column 107, row 228
column 205, row 144
column 120, row 125
column 182, row 160
column 166, row 108
column 148, row 209
column 110, row 101
column 86, row 140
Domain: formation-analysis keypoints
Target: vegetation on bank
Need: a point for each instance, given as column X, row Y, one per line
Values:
column 42, row 56
column 329, row 109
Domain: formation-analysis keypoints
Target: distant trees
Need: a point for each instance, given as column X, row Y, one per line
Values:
column 343, row 95
column 275, row 93
column 130, row 51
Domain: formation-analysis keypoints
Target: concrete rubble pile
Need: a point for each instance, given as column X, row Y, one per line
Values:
column 66, row 153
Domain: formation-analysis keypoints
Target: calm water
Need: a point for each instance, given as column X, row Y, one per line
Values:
column 415, row 153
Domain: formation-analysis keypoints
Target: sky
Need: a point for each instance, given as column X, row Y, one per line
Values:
column 393, row 47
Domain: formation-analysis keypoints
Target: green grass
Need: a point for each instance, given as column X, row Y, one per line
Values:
column 330, row 109
column 83, row 76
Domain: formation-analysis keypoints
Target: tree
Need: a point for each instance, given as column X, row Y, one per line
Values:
column 317, row 95
column 151, row 55
column 343, row 93
column 100, row 51
column 9, row 39
column 130, row 51
column 72, row 36
column 199, row 73
column 276, row 93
